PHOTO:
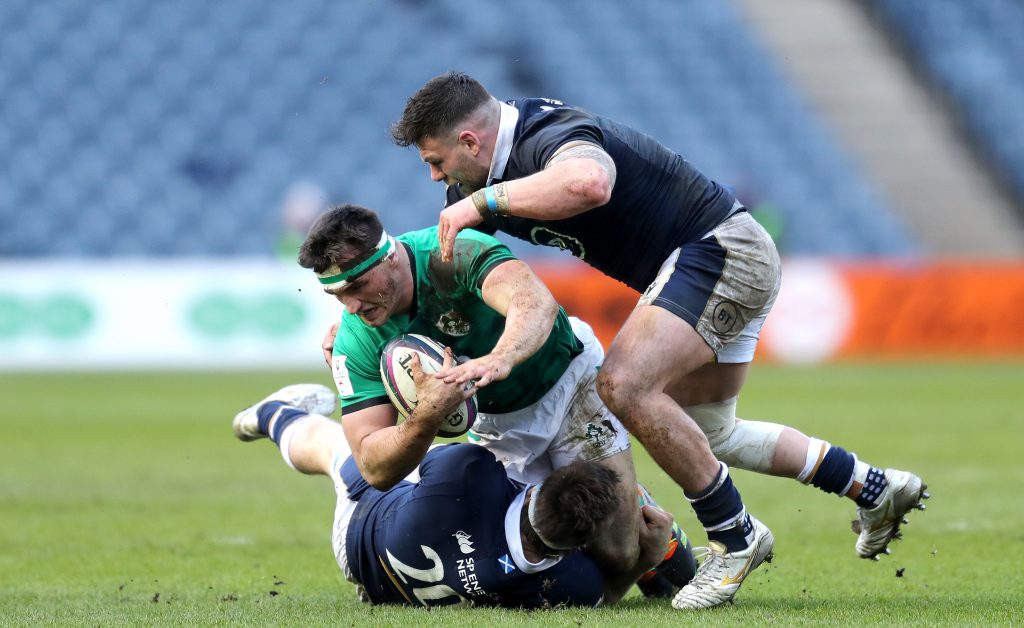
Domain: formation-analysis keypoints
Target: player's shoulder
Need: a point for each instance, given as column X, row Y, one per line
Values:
column 538, row 114
column 467, row 457
column 420, row 240
column 463, row 468
column 544, row 126
column 425, row 240
column 577, row 581
column 475, row 253
column 478, row 240
column 539, row 109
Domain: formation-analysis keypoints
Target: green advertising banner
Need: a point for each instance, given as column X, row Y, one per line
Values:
column 195, row 314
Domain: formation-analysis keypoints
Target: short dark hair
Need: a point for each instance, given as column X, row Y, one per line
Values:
column 337, row 233
column 434, row 110
column 576, row 501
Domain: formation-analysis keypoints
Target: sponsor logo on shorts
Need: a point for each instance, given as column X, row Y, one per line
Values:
column 546, row 237
column 599, row 435
column 611, row 428
column 725, row 317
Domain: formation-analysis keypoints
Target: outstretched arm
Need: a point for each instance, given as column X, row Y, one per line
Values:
column 513, row 290
column 579, row 177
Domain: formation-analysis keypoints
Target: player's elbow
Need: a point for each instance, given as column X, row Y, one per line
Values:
column 591, row 185
column 378, row 476
column 542, row 307
column 379, row 481
column 548, row 307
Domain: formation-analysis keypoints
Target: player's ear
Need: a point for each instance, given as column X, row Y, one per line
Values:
column 470, row 141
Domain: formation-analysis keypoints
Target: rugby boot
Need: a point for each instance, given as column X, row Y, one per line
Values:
column 720, row 575
column 313, row 398
column 881, row 524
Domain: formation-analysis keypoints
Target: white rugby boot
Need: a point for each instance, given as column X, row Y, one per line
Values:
column 313, row 398
column 720, row 575
column 881, row 524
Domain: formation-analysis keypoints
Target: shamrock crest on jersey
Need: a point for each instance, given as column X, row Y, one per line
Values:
column 453, row 323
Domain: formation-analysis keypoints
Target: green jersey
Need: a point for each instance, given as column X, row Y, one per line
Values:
column 448, row 306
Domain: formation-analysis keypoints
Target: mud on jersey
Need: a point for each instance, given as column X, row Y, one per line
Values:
column 448, row 306
column 442, row 541
column 659, row 202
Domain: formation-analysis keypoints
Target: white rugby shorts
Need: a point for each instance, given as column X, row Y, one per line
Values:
column 567, row 423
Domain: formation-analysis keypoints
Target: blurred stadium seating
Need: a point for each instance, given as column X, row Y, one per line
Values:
column 973, row 53
column 174, row 129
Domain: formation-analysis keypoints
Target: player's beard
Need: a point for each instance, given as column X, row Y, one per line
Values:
column 469, row 187
column 472, row 176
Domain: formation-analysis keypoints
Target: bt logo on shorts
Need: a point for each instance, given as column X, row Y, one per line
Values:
column 725, row 317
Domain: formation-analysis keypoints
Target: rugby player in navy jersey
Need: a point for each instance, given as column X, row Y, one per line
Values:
column 461, row 532
column 556, row 175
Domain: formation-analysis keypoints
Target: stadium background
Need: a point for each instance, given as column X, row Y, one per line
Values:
column 164, row 159
column 161, row 162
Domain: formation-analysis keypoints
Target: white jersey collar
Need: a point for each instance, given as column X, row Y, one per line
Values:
column 515, row 541
column 503, row 143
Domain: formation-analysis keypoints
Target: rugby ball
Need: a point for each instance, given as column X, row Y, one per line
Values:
column 396, row 373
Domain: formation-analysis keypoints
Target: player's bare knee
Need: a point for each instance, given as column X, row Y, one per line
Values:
column 619, row 390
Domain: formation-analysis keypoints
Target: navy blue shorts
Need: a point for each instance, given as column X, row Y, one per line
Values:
column 723, row 286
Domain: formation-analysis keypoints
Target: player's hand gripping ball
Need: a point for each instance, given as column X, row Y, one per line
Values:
column 396, row 373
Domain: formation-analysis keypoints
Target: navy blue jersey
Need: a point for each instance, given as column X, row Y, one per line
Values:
column 659, row 201
column 442, row 540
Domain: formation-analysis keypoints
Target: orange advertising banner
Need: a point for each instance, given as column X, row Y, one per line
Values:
column 829, row 311
column 938, row 308
column 602, row 302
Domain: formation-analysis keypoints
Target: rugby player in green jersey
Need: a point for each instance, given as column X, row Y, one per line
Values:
column 534, row 368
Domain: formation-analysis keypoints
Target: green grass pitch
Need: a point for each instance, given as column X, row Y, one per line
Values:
column 125, row 500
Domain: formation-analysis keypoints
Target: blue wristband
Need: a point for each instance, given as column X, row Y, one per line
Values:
column 492, row 202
